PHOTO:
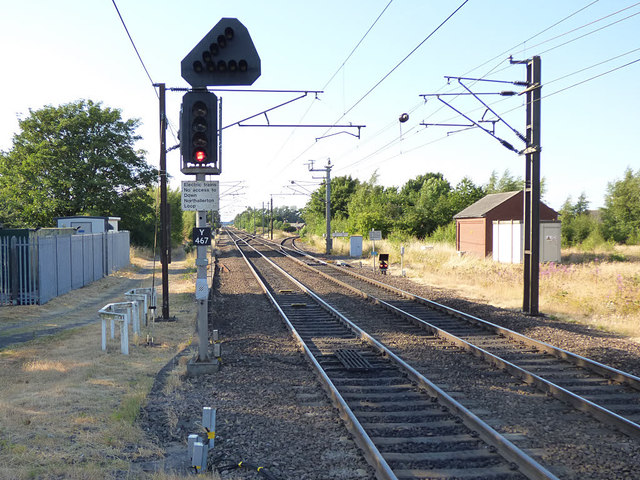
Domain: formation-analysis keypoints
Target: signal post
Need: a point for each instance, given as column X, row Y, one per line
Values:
column 225, row 56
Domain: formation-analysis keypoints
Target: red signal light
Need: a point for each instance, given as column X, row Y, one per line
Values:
column 200, row 156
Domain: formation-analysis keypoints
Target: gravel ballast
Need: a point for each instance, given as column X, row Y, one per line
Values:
column 271, row 410
column 273, row 413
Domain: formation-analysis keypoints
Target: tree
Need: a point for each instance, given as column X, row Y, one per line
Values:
column 74, row 159
column 621, row 214
column 342, row 189
column 465, row 194
column 577, row 223
column 371, row 207
column 505, row 183
column 426, row 204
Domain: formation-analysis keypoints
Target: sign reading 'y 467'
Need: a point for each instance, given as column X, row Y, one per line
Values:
column 200, row 196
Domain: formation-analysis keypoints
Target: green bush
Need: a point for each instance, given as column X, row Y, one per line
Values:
column 445, row 234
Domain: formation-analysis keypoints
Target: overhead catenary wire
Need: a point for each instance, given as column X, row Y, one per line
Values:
column 395, row 140
column 568, row 42
column 153, row 84
column 564, row 19
column 304, row 115
column 506, row 52
column 379, row 82
column 133, row 44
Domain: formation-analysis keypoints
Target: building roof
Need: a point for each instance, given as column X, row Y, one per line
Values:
column 485, row 205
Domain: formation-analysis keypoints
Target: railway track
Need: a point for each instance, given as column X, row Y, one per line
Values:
column 408, row 427
column 610, row 395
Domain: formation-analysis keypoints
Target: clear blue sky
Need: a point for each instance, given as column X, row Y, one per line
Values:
column 58, row 52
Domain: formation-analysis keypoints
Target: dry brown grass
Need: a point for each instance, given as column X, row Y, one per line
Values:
column 600, row 288
column 68, row 410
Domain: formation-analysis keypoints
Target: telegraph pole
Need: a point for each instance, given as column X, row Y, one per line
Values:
column 328, row 209
column 164, row 217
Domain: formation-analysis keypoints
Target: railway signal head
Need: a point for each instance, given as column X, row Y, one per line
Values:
column 225, row 56
column 199, row 133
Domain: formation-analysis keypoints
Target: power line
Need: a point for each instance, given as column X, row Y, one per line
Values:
column 134, row 46
column 591, row 66
column 387, row 74
column 402, row 61
column 169, row 124
column 580, row 28
column 592, row 78
column 327, row 83
column 357, row 45
column 585, row 35
column 503, row 54
column 395, row 140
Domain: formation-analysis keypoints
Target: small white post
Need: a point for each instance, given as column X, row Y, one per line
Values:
column 191, row 440
column 209, row 423
column 104, row 333
column 135, row 315
column 124, row 333
column 199, row 456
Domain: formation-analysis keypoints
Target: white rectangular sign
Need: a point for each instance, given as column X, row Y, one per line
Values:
column 375, row 235
column 198, row 196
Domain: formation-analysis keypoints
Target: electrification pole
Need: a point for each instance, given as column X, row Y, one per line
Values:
column 531, row 207
column 329, row 242
column 532, row 189
column 328, row 209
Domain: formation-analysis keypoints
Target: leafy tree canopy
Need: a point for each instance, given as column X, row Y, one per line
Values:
column 505, row 183
column 621, row 214
column 77, row 158
column 342, row 188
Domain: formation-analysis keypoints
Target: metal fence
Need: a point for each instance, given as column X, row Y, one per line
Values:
column 33, row 271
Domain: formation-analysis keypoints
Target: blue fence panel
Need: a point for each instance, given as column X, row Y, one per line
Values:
column 37, row 271
column 5, row 280
column 77, row 269
column 121, row 258
column 47, row 269
column 98, row 256
column 87, row 260
column 63, row 264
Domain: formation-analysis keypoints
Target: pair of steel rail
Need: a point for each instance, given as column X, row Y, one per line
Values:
column 512, row 455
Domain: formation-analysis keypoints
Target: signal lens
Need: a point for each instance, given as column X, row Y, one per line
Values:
column 200, row 156
column 199, row 109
